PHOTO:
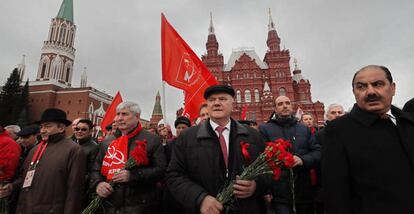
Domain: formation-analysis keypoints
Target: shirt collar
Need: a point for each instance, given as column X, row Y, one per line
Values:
column 368, row 118
column 391, row 116
column 215, row 125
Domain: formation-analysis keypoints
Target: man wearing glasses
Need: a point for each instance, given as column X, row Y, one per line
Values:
column 83, row 135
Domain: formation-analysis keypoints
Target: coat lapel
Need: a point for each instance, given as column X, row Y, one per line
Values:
column 206, row 132
column 237, row 131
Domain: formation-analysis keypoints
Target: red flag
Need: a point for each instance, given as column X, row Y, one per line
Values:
column 243, row 113
column 182, row 68
column 111, row 112
column 192, row 105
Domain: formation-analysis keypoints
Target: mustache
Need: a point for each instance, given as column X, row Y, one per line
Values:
column 372, row 98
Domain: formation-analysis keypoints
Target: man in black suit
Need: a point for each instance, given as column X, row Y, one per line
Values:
column 204, row 159
column 368, row 157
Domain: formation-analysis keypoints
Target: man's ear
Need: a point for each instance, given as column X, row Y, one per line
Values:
column 393, row 88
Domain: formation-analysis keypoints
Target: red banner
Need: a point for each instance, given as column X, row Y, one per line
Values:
column 111, row 112
column 181, row 68
column 243, row 113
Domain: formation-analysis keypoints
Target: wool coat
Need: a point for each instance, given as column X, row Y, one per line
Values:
column 140, row 194
column 197, row 167
column 58, row 183
column 368, row 163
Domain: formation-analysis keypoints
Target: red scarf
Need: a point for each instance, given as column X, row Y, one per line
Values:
column 117, row 154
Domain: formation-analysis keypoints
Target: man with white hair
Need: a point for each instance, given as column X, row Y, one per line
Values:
column 134, row 190
column 334, row 111
column 12, row 131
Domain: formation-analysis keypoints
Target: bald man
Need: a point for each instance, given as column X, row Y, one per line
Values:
column 307, row 155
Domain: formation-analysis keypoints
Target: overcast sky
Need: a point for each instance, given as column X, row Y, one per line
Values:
column 119, row 40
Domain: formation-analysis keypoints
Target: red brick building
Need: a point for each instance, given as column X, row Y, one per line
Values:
column 258, row 82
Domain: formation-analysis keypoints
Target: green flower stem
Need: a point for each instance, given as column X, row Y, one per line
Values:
column 4, row 205
column 97, row 201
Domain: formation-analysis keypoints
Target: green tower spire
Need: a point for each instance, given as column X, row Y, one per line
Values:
column 66, row 11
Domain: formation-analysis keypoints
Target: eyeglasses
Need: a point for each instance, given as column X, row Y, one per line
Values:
column 81, row 129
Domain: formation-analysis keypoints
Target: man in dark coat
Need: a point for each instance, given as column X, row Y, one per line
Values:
column 28, row 139
column 306, row 153
column 50, row 180
column 204, row 160
column 170, row 205
column 332, row 112
column 368, row 156
column 135, row 189
column 83, row 135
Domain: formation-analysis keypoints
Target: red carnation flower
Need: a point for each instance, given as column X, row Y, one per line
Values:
column 245, row 152
column 276, row 173
column 313, row 130
column 139, row 153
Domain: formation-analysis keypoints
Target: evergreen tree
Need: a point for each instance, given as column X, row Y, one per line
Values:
column 10, row 98
column 24, row 106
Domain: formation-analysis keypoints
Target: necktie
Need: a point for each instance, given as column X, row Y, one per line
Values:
column 223, row 146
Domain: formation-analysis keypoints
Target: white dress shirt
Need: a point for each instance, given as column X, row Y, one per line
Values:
column 226, row 132
column 392, row 117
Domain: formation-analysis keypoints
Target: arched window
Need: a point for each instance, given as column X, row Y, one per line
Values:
column 238, row 96
column 42, row 74
column 56, row 67
column 90, row 111
column 247, row 96
column 282, row 91
column 256, row 95
column 67, row 74
column 62, row 34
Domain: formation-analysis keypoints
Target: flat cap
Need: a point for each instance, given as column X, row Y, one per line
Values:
column 182, row 120
column 215, row 89
column 28, row 130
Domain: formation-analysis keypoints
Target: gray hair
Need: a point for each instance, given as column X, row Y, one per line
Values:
column 331, row 107
column 133, row 107
column 14, row 128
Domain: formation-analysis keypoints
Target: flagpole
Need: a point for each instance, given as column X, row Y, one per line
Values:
column 163, row 102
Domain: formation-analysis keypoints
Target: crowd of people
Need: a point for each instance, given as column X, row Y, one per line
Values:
column 359, row 162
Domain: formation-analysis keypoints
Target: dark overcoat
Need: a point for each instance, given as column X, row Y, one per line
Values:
column 90, row 149
column 368, row 163
column 139, row 195
column 303, row 146
column 197, row 167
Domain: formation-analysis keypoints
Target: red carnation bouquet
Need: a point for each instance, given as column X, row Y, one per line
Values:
column 9, row 161
column 274, row 157
column 138, row 158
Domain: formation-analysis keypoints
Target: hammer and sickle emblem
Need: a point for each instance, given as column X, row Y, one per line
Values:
column 116, row 155
column 188, row 68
